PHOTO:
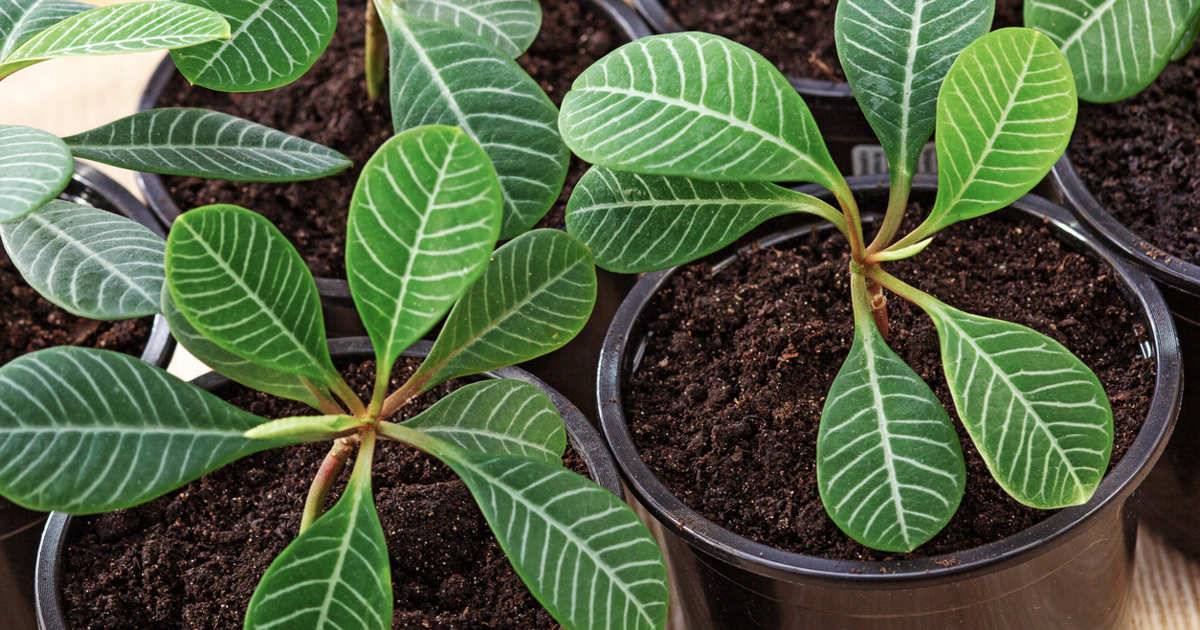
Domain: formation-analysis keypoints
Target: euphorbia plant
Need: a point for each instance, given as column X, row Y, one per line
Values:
column 87, row 431
column 687, row 132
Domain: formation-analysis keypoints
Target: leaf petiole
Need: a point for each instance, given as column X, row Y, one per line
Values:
column 347, row 396
column 331, row 467
column 901, row 184
column 902, row 288
column 325, row 404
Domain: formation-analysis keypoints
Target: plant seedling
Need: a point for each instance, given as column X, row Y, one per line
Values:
column 688, row 130
column 85, row 431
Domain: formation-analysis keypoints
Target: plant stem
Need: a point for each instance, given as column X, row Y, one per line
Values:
column 901, row 184
column 366, row 455
column 347, row 396
column 849, row 206
column 331, row 467
column 902, row 288
column 408, row 391
column 325, row 404
column 376, row 52
column 877, row 302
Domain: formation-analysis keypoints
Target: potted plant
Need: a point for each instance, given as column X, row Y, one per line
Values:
column 686, row 131
column 422, row 225
column 1130, row 176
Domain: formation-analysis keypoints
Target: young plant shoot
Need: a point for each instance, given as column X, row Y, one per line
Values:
column 688, row 130
column 85, row 431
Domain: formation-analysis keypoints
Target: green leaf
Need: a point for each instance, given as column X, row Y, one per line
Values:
column 273, row 43
column 535, row 296
column 1037, row 414
column 423, row 223
column 889, row 466
column 695, row 105
column 444, row 75
column 300, row 429
column 583, row 553
column 34, row 167
column 230, row 365
column 203, row 143
column 895, row 54
column 86, row 431
column 239, row 282
column 509, row 25
column 1115, row 47
column 1005, row 115
column 90, row 262
column 22, row 19
column 335, row 575
column 1188, row 40
column 635, row 223
column 500, row 417
column 118, row 29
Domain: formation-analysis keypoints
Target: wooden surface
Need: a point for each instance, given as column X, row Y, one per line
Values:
column 69, row 96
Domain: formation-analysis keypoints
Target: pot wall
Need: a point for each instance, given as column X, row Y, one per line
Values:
column 1072, row 570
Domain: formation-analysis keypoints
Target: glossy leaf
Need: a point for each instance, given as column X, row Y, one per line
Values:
column 446, row 76
column 694, row 105
column 889, row 466
column 335, row 575
column 535, row 296
column 500, row 417
column 423, row 223
column 22, row 19
column 274, row 42
column 583, row 553
column 90, row 262
column 1005, row 115
column 239, row 282
column 1115, row 47
column 230, row 365
column 203, row 143
column 509, row 25
column 1037, row 414
column 635, row 223
column 118, row 29
column 895, row 54
column 85, row 431
column 298, row 429
column 34, row 167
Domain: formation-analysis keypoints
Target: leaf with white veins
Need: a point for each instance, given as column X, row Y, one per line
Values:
column 22, row 19
column 34, row 167
column 203, row 143
column 90, row 262
column 509, row 25
column 86, row 431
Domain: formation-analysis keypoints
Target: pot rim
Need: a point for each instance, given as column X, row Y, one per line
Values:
column 588, row 444
column 726, row 546
column 662, row 21
column 1162, row 266
column 160, row 345
column 626, row 20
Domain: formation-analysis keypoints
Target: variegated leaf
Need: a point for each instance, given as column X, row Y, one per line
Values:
column 85, row 431
column 34, row 167
column 535, row 296
column 1115, row 47
column 509, row 25
column 90, row 262
column 694, row 105
column 635, row 223
column 118, row 29
column 203, row 143
column 423, row 223
column 500, row 417
column 446, row 76
column 238, row 281
column 273, row 43
column 22, row 19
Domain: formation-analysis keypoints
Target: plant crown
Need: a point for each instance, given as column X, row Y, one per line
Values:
column 687, row 131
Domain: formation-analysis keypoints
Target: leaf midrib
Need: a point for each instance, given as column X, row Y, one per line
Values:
column 478, row 18
column 1087, row 24
column 91, row 254
column 885, row 437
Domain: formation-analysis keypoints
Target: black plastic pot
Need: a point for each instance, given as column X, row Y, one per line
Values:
column 584, row 439
column 1072, row 570
column 18, row 526
column 1169, row 501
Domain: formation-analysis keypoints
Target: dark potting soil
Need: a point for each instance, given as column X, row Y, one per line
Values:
column 32, row 323
column 796, row 35
column 329, row 105
column 726, row 404
column 1141, row 159
column 192, row 559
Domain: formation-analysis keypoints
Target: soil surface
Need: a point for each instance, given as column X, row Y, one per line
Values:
column 1141, row 159
column 726, row 404
column 796, row 35
column 192, row 558
column 329, row 105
